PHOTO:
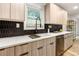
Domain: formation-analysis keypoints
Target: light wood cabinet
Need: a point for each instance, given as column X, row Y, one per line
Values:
column 12, row 11
column 44, row 47
column 51, row 46
column 2, row 52
column 23, row 50
column 68, row 41
column 55, row 15
column 47, row 14
column 5, row 11
column 7, row 51
column 17, row 12
column 40, row 51
column 38, row 48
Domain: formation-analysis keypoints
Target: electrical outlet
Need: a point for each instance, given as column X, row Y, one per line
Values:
column 17, row 25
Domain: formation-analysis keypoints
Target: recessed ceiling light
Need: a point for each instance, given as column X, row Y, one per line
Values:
column 75, row 7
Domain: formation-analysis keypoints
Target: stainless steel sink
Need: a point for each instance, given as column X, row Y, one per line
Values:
column 34, row 36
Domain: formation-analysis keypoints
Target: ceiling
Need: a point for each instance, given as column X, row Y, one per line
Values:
column 70, row 8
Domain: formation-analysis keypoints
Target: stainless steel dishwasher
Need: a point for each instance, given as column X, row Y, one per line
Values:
column 59, row 45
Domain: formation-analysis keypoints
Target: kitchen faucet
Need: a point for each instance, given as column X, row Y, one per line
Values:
column 37, row 18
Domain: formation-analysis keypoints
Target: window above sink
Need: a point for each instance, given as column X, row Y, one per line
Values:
column 34, row 17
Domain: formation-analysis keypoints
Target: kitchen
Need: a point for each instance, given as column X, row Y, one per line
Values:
column 35, row 29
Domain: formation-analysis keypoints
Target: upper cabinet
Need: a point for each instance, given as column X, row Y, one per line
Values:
column 17, row 12
column 4, row 11
column 55, row 14
column 12, row 12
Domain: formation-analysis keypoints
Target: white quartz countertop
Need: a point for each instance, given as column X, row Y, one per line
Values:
column 13, row 41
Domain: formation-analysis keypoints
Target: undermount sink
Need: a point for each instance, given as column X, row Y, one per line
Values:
column 34, row 36
column 56, row 32
column 45, row 34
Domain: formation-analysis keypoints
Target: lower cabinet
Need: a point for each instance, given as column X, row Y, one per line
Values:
column 44, row 47
column 23, row 50
column 7, row 51
column 51, row 47
column 68, row 41
column 38, row 48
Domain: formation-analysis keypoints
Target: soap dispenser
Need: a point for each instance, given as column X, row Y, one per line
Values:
column 49, row 28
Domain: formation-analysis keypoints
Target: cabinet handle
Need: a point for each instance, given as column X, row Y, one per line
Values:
column 40, row 48
column 24, row 44
column 51, row 43
column 24, row 54
column 2, row 49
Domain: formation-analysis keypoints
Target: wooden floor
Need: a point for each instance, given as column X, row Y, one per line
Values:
column 74, row 50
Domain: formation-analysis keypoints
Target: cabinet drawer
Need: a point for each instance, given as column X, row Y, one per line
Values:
column 37, row 44
column 2, row 52
column 10, row 51
column 23, row 49
column 7, row 51
column 50, row 40
column 38, row 48
column 68, row 35
column 41, row 51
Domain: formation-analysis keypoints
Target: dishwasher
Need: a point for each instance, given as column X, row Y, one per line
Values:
column 59, row 45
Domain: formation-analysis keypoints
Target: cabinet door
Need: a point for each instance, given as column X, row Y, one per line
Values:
column 23, row 50
column 68, row 41
column 38, row 48
column 51, row 49
column 17, row 12
column 66, row 44
column 4, row 11
column 7, row 52
column 53, row 13
column 51, row 46
column 47, row 14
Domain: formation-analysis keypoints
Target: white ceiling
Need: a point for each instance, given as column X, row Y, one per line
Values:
column 69, row 8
